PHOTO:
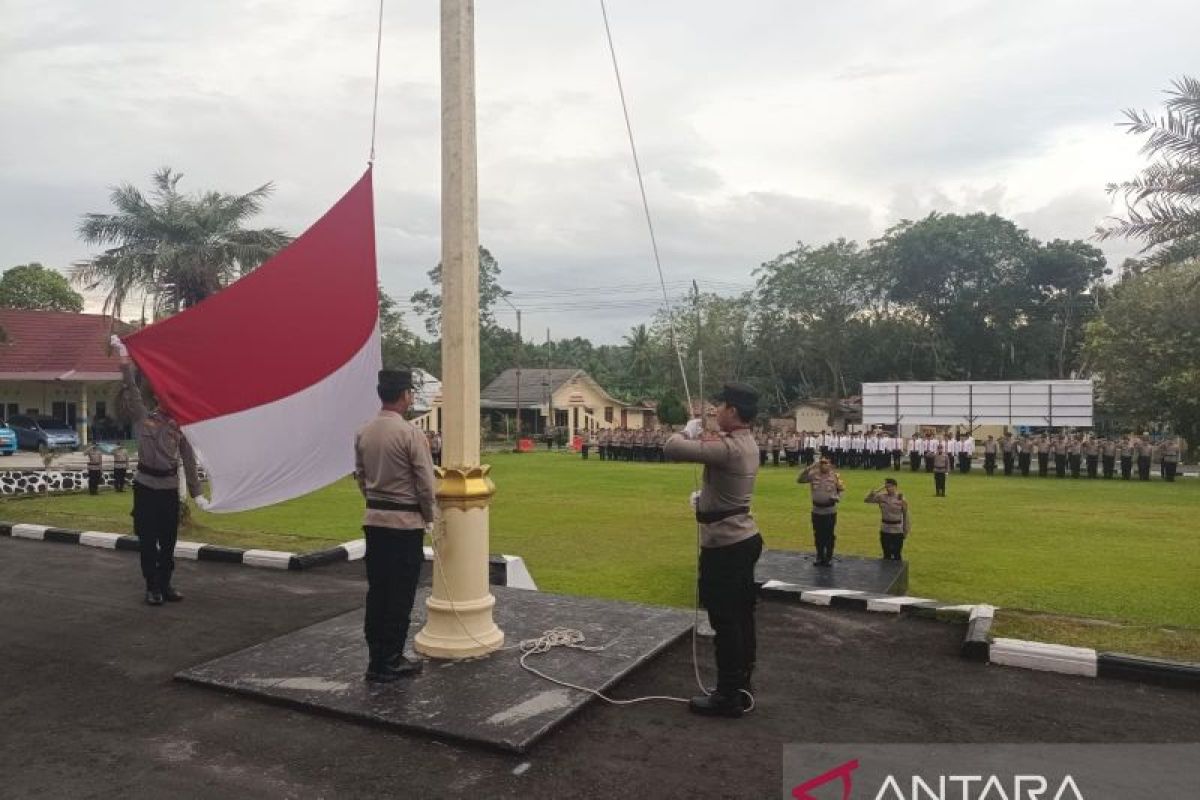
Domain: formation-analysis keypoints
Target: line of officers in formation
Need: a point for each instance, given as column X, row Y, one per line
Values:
column 1064, row 453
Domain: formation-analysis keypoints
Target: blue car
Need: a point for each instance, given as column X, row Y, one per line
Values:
column 8, row 440
column 33, row 431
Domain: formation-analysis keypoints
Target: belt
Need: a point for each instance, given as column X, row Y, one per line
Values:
column 389, row 505
column 893, row 521
column 157, row 473
column 826, row 504
column 708, row 517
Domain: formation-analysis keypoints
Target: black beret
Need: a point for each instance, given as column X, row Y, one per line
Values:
column 396, row 380
column 737, row 394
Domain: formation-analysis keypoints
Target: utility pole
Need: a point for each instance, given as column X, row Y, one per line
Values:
column 520, row 346
column 546, row 388
column 459, row 609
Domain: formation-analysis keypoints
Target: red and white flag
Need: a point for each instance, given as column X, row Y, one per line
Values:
column 270, row 378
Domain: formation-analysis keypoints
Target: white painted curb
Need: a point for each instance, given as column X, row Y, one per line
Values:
column 1046, row 657
column 99, row 539
column 893, row 605
column 356, row 550
column 822, row 597
column 29, row 531
column 188, row 550
column 271, row 559
column 517, row 574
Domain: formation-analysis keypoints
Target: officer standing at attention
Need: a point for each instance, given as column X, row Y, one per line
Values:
column 730, row 543
column 161, row 447
column 1074, row 455
column 120, row 467
column 1169, row 453
column 1108, row 457
column 394, row 470
column 1006, row 450
column 941, row 468
column 1091, row 454
column 1145, row 450
column 95, row 466
column 894, row 525
column 827, row 488
column 1024, row 455
column 989, row 454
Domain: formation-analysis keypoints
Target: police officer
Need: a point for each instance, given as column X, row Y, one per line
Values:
column 394, row 470
column 1043, row 455
column 1007, row 447
column 1169, row 453
column 1024, row 455
column 989, row 454
column 120, row 467
column 894, row 524
column 95, row 467
column 1091, row 455
column 1125, row 450
column 827, row 488
column 1074, row 455
column 589, row 441
column 941, row 468
column 1145, row 450
column 914, row 452
column 729, row 540
column 161, row 448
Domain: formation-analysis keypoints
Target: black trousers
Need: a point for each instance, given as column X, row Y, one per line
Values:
column 929, row 462
column 1169, row 469
column 939, row 483
column 156, row 525
column 1144, row 468
column 93, row 481
column 437, row 457
column 585, row 451
column 762, row 458
column 896, row 460
column 1108, row 463
column 989, row 462
column 1023, row 460
column 1060, row 465
column 394, row 558
column 119, row 478
column 914, row 460
column 1126, row 467
column 1043, row 464
column 1093, row 466
column 824, row 536
column 892, row 544
column 1008, row 463
column 964, row 463
column 1075, row 460
column 728, row 593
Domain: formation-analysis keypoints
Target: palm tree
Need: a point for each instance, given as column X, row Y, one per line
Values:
column 1163, row 202
column 175, row 249
column 641, row 356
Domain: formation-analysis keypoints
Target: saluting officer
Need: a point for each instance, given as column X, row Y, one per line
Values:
column 161, row 448
column 729, row 540
column 827, row 488
column 1074, row 455
column 894, row 523
column 394, row 470
column 1091, row 455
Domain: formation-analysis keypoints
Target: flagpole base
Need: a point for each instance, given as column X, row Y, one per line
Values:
column 459, row 610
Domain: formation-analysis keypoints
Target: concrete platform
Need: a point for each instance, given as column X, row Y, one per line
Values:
column 791, row 571
column 490, row 701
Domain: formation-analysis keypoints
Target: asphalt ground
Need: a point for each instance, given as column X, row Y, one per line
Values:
column 89, row 709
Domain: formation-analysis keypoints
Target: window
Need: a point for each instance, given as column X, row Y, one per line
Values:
column 608, row 415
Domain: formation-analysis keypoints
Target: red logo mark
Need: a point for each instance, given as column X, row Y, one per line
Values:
column 843, row 772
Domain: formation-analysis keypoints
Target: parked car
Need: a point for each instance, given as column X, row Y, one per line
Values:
column 8, row 440
column 33, row 431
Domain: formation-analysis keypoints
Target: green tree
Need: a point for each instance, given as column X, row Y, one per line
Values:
column 402, row 348
column 428, row 303
column 1068, row 278
column 1163, row 201
column 1146, row 346
column 176, row 249
column 640, row 357
column 32, row 286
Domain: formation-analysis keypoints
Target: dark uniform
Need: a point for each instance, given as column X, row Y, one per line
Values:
column 161, row 448
column 394, row 469
column 730, row 546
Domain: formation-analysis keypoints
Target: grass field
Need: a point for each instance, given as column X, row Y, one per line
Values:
column 1124, row 555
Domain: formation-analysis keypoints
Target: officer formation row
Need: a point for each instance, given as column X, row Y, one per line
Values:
column 1065, row 454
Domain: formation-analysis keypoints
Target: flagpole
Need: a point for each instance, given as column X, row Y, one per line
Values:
column 459, row 620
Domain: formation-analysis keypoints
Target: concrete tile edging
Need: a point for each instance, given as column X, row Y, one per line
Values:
column 978, row 645
column 505, row 570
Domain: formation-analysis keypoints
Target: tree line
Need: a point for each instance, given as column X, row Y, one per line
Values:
column 946, row 297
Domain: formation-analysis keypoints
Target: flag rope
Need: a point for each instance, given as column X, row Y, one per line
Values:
column 375, row 102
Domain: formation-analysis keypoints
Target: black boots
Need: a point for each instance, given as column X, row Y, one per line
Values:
column 154, row 597
column 717, row 704
column 171, row 595
column 392, row 669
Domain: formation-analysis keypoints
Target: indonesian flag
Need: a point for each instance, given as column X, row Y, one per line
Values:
column 271, row 378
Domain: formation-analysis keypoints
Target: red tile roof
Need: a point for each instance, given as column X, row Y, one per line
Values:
column 58, row 345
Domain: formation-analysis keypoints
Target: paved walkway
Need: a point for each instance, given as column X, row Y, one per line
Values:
column 89, row 708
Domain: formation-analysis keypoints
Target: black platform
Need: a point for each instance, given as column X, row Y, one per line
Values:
column 787, row 572
column 489, row 700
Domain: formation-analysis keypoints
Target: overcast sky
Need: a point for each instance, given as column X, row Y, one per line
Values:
column 759, row 123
